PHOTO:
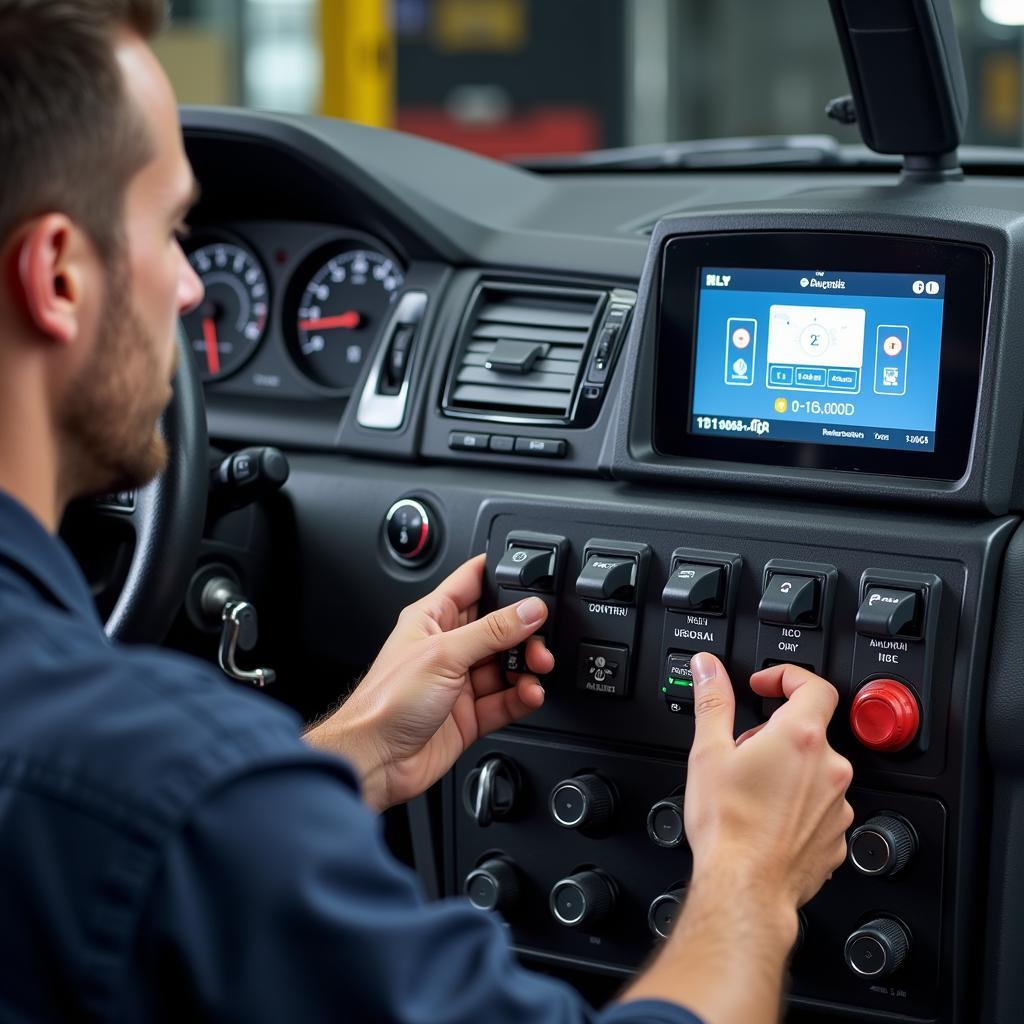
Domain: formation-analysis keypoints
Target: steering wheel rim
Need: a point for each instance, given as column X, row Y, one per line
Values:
column 168, row 516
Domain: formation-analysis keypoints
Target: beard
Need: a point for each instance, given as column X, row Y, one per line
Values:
column 110, row 423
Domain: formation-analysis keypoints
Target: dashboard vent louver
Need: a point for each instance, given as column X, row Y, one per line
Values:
column 522, row 351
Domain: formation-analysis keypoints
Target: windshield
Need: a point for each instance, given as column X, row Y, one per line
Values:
column 520, row 78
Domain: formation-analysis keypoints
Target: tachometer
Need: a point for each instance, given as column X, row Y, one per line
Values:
column 228, row 324
column 340, row 314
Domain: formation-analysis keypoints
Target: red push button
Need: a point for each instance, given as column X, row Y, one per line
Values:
column 885, row 715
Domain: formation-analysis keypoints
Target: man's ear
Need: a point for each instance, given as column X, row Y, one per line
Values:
column 51, row 257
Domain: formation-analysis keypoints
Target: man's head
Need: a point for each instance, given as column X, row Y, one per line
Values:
column 94, row 184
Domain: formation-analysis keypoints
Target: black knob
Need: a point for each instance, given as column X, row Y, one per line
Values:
column 585, row 802
column 494, row 885
column 491, row 790
column 665, row 822
column 409, row 528
column 883, row 845
column 583, row 900
column 878, row 948
column 663, row 911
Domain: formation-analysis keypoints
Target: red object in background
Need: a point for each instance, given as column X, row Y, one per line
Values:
column 538, row 132
column 885, row 715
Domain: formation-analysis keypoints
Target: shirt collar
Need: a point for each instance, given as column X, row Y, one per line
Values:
column 42, row 559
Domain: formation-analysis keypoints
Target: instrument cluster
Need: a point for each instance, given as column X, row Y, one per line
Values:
column 287, row 307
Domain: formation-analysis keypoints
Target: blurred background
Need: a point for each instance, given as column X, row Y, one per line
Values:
column 514, row 78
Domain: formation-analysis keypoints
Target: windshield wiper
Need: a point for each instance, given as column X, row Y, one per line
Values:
column 745, row 151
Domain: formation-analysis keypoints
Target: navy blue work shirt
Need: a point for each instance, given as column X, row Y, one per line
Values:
column 171, row 850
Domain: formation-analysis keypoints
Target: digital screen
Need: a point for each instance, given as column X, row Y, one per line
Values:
column 818, row 357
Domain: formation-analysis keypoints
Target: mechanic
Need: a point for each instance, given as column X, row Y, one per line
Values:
column 171, row 847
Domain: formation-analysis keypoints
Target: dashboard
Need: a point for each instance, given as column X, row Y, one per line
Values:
column 772, row 414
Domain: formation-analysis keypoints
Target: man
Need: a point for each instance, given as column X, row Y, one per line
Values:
column 170, row 847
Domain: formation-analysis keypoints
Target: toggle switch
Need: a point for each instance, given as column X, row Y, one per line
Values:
column 889, row 612
column 790, row 600
column 694, row 587
column 526, row 567
column 608, row 577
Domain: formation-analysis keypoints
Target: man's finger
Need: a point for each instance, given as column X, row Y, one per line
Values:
column 499, row 709
column 714, row 704
column 463, row 587
column 806, row 693
column 539, row 659
column 502, row 629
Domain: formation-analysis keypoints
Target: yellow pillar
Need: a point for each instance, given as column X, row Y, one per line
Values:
column 358, row 46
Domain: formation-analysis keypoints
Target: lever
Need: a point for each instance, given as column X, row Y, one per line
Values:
column 240, row 630
column 220, row 598
column 246, row 476
column 491, row 790
column 483, row 806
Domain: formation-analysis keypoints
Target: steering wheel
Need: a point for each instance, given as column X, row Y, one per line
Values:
column 166, row 517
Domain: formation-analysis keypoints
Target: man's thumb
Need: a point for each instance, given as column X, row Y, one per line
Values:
column 714, row 704
column 495, row 632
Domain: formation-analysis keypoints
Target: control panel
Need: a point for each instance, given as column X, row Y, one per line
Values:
column 570, row 824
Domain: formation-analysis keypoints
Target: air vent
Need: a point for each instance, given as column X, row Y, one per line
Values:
column 522, row 351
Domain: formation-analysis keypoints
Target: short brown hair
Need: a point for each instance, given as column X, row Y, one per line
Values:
column 70, row 137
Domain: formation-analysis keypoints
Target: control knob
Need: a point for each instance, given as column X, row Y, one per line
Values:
column 665, row 822
column 409, row 531
column 494, row 885
column 883, row 845
column 663, row 911
column 585, row 802
column 878, row 948
column 584, row 899
column 885, row 715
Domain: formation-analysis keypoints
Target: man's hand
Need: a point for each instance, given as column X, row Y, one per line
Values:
column 435, row 688
column 766, row 816
column 769, row 807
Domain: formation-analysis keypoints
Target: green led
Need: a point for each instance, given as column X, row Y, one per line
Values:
column 674, row 681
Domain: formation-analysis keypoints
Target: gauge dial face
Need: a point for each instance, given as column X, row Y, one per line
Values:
column 341, row 313
column 228, row 325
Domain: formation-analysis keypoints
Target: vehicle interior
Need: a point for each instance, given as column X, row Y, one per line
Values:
column 757, row 396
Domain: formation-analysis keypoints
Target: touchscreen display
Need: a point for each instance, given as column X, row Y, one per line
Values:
column 818, row 357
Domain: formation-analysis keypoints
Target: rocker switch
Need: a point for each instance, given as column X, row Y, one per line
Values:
column 694, row 587
column 888, row 612
column 526, row 568
column 790, row 600
column 607, row 577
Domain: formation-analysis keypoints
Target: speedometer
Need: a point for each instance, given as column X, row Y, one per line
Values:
column 340, row 314
column 228, row 325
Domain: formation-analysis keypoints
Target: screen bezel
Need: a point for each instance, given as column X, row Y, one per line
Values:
column 967, row 270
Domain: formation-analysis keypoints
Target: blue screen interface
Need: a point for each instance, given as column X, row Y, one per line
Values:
column 819, row 357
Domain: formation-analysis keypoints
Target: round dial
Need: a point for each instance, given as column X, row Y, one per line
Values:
column 883, row 845
column 878, row 948
column 227, row 326
column 665, row 822
column 583, row 900
column 341, row 312
column 494, row 885
column 585, row 802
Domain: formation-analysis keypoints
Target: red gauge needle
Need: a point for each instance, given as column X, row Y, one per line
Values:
column 349, row 320
column 210, row 337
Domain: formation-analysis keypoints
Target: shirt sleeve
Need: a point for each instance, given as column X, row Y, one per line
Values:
column 279, row 901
